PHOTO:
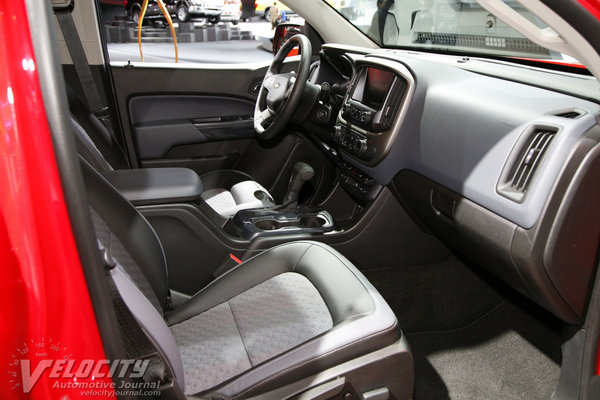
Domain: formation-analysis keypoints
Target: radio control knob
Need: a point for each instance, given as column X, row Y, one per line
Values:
column 362, row 146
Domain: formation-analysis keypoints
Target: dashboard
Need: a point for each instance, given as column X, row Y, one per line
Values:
column 501, row 169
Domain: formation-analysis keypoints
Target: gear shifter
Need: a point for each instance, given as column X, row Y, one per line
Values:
column 301, row 173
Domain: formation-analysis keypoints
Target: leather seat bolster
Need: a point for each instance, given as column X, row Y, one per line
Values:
column 344, row 289
column 254, row 271
column 308, row 359
column 363, row 322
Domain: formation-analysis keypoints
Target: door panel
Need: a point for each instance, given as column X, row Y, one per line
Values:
column 161, row 122
column 203, row 157
column 175, row 96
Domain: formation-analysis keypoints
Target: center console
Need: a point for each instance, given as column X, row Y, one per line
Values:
column 372, row 109
column 160, row 186
column 254, row 223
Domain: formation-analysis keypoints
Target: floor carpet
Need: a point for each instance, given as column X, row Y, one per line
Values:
column 469, row 341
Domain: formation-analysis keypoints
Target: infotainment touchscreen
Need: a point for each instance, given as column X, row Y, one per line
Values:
column 377, row 84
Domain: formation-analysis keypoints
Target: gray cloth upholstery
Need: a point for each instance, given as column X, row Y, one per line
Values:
column 250, row 328
column 116, row 249
column 211, row 348
column 279, row 314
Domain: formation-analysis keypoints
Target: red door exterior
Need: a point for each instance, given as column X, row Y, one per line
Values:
column 47, row 312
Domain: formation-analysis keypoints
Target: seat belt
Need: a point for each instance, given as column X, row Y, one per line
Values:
column 80, row 62
column 83, row 70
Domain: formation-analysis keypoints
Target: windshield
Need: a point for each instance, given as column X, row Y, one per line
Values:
column 444, row 25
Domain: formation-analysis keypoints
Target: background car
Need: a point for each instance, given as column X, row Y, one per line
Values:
column 232, row 11
column 134, row 9
column 209, row 9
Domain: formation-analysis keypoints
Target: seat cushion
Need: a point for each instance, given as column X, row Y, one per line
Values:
column 294, row 310
column 252, row 327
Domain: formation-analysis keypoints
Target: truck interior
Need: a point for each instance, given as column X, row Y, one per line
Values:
column 397, row 212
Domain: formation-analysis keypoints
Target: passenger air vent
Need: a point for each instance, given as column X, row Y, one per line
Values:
column 570, row 114
column 519, row 171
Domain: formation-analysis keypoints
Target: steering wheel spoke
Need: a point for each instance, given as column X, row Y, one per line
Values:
column 262, row 119
column 266, row 116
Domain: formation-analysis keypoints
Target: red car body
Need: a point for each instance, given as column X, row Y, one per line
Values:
column 42, row 281
column 42, row 287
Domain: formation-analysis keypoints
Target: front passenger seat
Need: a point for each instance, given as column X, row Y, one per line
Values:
column 299, row 314
column 225, row 191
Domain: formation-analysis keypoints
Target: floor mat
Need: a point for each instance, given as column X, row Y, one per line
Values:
column 431, row 297
column 468, row 341
column 504, row 355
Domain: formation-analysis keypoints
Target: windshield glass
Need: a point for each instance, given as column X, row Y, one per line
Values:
column 444, row 25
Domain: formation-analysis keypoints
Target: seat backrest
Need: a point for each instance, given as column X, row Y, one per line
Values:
column 128, row 237
column 140, row 273
column 103, row 142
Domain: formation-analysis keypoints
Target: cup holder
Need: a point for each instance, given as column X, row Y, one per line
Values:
column 267, row 224
column 306, row 221
column 312, row 221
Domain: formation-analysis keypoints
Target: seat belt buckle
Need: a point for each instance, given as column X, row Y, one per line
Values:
column 101, row 113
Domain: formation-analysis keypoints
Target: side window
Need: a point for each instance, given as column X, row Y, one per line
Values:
column 206, row 31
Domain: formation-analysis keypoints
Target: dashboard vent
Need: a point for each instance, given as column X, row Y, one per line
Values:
column 570, row 114
column 478, row 41
column 395, row 98
column 530, row 159
column 515, row 183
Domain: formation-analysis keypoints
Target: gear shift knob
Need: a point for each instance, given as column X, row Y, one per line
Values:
column 301, row 173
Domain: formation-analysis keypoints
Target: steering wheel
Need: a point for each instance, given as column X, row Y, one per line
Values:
column 280, row 93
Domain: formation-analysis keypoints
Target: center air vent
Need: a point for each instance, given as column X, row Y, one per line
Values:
column 520, row 170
